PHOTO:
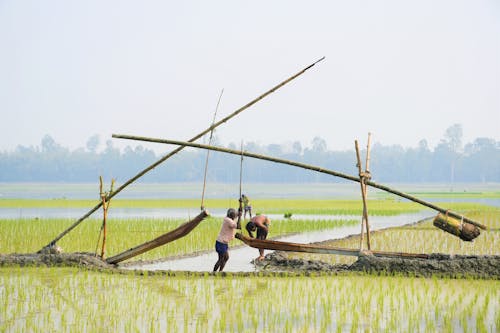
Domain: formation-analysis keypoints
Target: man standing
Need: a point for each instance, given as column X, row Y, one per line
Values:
column 226, row 234
column 260, row 223
column 246, row 206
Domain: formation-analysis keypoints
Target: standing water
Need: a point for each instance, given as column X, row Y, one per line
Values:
column 240, row 259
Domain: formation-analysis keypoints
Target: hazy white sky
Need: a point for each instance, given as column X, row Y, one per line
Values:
column 403, row 70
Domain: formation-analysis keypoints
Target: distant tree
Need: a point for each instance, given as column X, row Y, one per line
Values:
column 93, row 142
column 297, row 148
column 49, row 145
column 453, row 137
column 319, row 145
column 453, row 140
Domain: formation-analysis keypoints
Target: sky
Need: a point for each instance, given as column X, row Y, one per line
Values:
column 402, row 70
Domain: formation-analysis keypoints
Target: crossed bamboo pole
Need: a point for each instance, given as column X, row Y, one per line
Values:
column 303, row 166
column 166, row 157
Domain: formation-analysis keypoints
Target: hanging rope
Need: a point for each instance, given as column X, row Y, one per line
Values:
column 202, row 206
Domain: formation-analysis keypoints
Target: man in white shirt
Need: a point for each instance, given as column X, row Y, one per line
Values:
column 226, row 234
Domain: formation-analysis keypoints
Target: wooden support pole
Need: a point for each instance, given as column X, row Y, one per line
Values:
column 104, row 216
column 307, row 167
column 164, row 158
column 364, row 219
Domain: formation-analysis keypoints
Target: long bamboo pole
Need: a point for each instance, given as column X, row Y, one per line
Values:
column 303, row 166
column 196, row 137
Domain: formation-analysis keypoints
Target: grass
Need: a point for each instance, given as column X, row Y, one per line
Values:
column 422, row 238
column 69, row 299
column 73, row 299
column 388, row 206
column 30, row 235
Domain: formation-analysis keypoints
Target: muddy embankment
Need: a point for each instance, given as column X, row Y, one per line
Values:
column 487, row 266
column 438, row 264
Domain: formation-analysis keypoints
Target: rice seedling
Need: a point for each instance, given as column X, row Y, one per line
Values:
column 270, row 206
column 422, row 238
column 29, row 235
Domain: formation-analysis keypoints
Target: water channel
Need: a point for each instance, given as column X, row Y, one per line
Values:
column 241, row 257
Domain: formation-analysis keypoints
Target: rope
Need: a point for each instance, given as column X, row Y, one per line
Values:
column 202, row 206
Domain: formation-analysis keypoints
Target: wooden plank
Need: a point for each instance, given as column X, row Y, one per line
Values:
column 310, row 248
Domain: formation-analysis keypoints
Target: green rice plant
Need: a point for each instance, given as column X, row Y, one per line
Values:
column 30, row 235
column 268, row 206
column 421, row 238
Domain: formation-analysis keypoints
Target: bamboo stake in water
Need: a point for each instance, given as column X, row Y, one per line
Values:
column 307, row 167
column 196, row 137
column 240, row 209
column 364, row 219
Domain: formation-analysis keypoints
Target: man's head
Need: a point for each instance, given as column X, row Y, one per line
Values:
column 231, row 213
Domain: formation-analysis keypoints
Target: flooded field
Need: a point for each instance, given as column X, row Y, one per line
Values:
column 69, row 299
column 241, row 258
column 184, row 295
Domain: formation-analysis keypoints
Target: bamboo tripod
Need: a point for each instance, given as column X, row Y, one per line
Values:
column 105, row 206
column 164, row 158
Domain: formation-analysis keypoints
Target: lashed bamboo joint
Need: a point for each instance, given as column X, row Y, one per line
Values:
column 459, row 228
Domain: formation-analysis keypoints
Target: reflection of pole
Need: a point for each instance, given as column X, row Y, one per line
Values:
column 307, row 167
column 208, row 153
column 163, row 159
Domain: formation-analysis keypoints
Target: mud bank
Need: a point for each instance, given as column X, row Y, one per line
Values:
column 80, row 259
column 487, row 266
column 444, row 265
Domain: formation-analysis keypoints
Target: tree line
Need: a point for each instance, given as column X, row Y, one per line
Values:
column 450, row 161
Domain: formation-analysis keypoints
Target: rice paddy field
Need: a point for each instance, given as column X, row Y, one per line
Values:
column 69, row 299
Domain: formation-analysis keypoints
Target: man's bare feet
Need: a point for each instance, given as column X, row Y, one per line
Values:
column 260, row 258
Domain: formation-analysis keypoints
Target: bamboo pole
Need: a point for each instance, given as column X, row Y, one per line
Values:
column 367, row 177
column 303, row 166
column 240, row 208
column 196, row 137
column 364, row 219
column 312, row 248
column 104, row 217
